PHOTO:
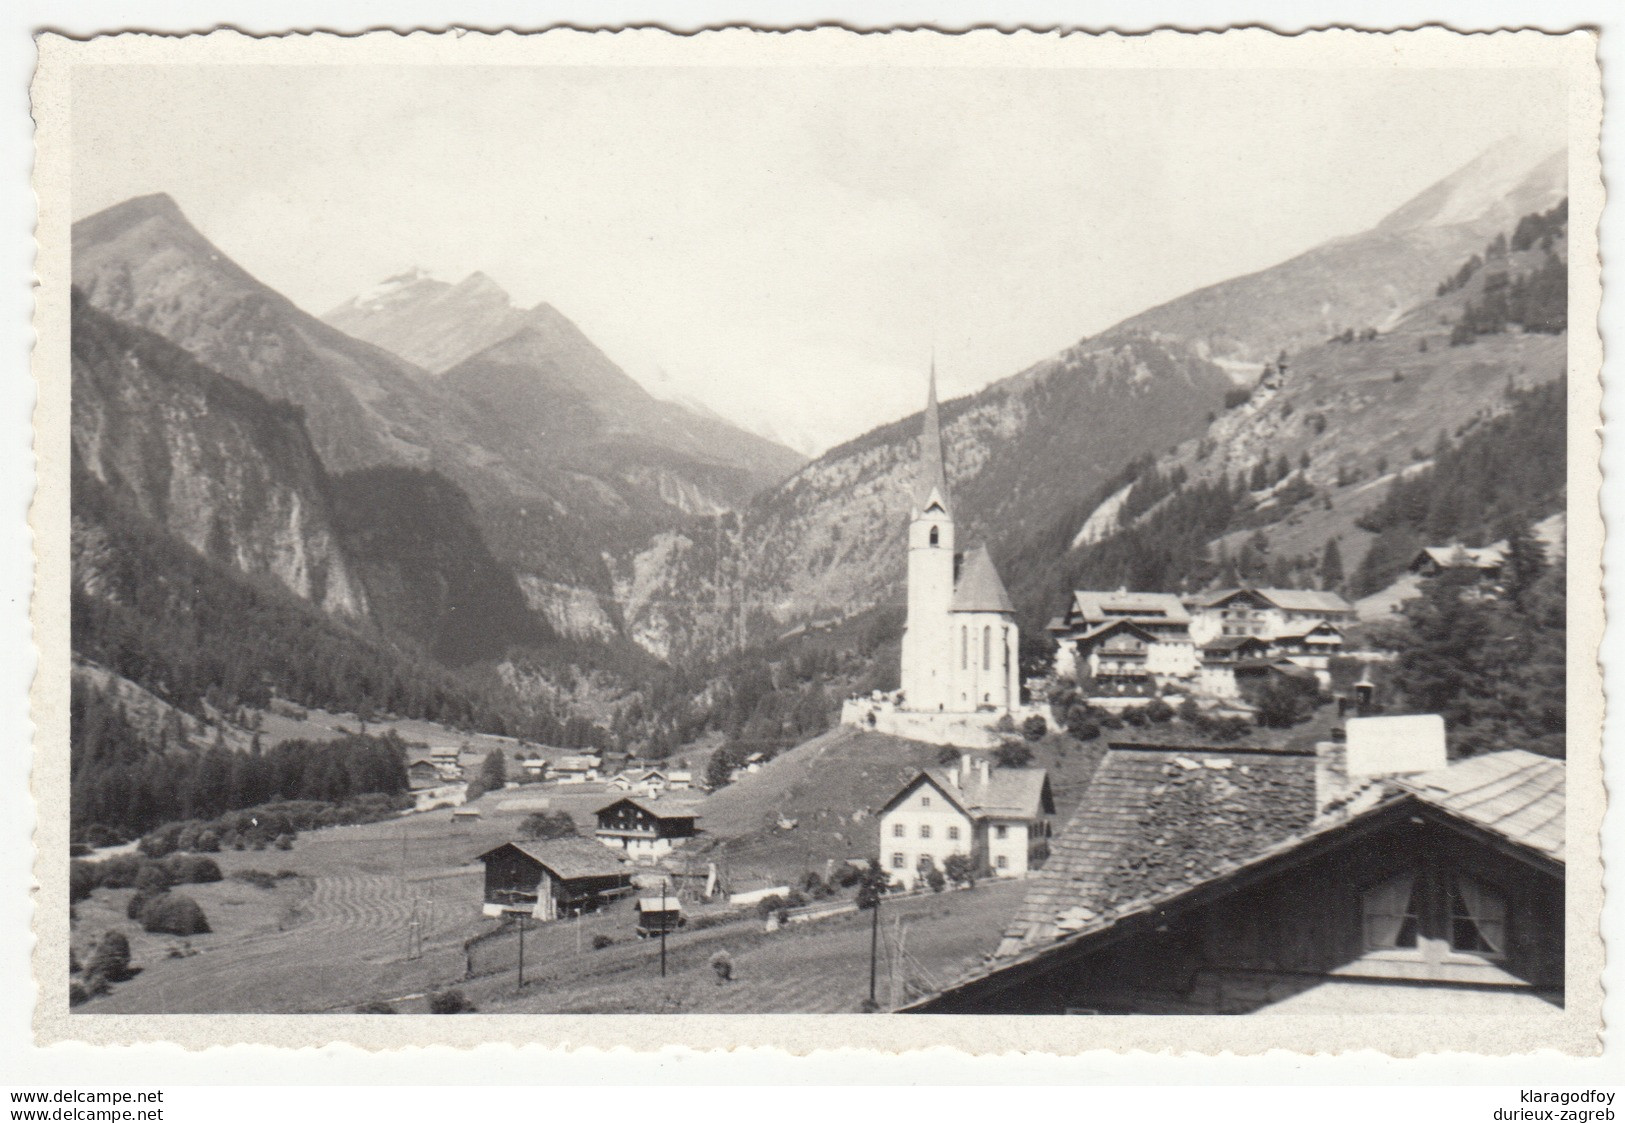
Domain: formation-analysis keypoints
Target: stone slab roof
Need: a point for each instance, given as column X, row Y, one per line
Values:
column 1516, row 794
column 568, row 858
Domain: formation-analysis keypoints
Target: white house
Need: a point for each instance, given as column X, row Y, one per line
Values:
column 576, row 769
column 999, row 817
column 1264, row 613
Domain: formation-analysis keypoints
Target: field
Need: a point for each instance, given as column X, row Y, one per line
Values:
column 378, row 910
column 821, row 967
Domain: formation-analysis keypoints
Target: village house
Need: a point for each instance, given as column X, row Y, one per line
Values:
column 423, row 773
column 1362, row 877
column 1484, row 562
column 999, row 817
column 643, row 781
column 552, row 878
column 1124, row 636
column 534, row 769
column 1265, row 613
column 575, row 769
column 644, row 830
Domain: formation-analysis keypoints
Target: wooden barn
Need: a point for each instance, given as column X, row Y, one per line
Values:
column 552, row 878
column 1209, row 881
column 645, row 829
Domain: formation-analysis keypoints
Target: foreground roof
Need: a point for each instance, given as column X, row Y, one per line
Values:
column 1157, row 818
column 568, row 858
column 979, row 588
column 1515, row 794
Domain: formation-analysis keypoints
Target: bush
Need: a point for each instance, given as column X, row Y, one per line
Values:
column 602, row 941
column 112, row 958
column 1013, row 754
column 1159, row 711
column 137, row 903
column 1136, row 717
column 548, row 824
column 118, row 872
column 796, row 899
column 1034, row 728
column 723, row 964
column 376, row 1007
column 191, row 869
column 936, row 880
column 174, row 914
column 1006, row 724
column 77, row 994
column 451, row 1001
column 1188, row 710
column 284, row 841
column 208, row 841
column 767, row 906
column 814, row 885
column 960, row 869
column 848, row 875
column 82, row 880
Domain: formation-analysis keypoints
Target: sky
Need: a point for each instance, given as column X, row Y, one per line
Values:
column 789, row 246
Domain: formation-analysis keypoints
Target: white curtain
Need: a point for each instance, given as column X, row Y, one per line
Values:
column 1488, row 911
column 1386, row 908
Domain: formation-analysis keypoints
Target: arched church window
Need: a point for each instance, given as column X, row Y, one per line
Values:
column 964, row 645
column 987, row 647
column 933, row 536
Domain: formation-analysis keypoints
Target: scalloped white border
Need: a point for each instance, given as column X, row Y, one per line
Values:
column 1575, row 1031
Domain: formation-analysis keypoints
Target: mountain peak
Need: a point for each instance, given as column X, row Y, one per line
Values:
column 1513, row 167
column 108, row 224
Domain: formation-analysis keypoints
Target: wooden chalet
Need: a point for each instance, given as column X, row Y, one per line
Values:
column 1484, row 562
column 423, row 773
column 553, row 878
column 645, row 829
column 1209, row 880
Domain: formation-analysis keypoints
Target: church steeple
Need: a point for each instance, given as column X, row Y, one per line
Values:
column 932, row 483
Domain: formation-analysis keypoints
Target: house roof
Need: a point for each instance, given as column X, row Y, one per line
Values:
column 567, row 858
column 1095, row 607
column 1114, row 626
column 1157, row 818
column 1008, row 793
column 1233, row 643
column 1516, row 794
column 1291, row 600
column 979, row 588
column 1459, row 557
column 658, row 811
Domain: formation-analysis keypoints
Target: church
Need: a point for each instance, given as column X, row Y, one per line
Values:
column 960, row 648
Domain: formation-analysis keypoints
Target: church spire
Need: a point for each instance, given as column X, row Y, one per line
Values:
column 933, row 479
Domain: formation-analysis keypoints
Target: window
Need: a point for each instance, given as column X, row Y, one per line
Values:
column 1478, row 917
column 897, row 862
column 934, row 536
column 1002, row 863
column 1001, row 831
column 964, row 646
column 1435, row 913
column 1390, row 914
column 953, row 834
column 925, row 801
column 898, row 830
column 987, row 647
column 925, row 830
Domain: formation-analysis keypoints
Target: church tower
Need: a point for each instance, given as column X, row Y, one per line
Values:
column 926, row 679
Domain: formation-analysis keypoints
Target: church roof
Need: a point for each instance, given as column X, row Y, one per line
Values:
column 933, row 478
column 979, row 588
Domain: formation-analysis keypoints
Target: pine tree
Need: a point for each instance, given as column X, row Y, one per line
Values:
column 1331, row 566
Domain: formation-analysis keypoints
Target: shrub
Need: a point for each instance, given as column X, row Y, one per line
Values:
column 948, row 754
column 797, row 899
column 174, row 914
column 153, row 879
column 112, row 958
column 814, row 885
column 548, row 824
column 872, row 885
column 767, row 906
column 77, row 994
column 1034, row 728
column 1159, row 711
column 451, row 1001
column 208, row 841
column 960, row 869
column 602, row 941
column 81, row 880
column 284, row 841
column 118, row 872
column 1013, row 754
column 1135, row 716
column 137, row 902
column 191, row 869
column 1188, row 710
column 723, row 964
column 375, row 1007
column 258, row 878
column 1006, row 724
column 848, row 876
column 936, row 880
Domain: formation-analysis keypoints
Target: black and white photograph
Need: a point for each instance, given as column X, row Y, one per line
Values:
column 771, row 531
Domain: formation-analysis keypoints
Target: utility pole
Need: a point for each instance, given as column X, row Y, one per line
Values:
column 665, row 921
column 521, row 985
column 874, row 949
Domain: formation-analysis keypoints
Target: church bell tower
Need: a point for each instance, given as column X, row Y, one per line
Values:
column 926, row 636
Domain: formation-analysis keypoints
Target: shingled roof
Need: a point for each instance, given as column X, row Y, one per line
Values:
column 1094, row 607
column 568, row 858
column 979, row 588
column 1158, row 818
column 1291, row 600
column 1516, row 794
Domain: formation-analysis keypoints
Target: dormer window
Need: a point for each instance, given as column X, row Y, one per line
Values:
column 934, row 536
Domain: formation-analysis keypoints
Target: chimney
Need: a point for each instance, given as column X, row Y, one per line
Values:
column 1348, row 773
column 983, row 767
column 962, row 777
